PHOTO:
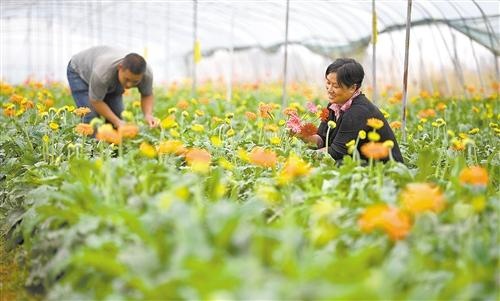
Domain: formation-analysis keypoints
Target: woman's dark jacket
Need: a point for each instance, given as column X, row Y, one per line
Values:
column 350, row 123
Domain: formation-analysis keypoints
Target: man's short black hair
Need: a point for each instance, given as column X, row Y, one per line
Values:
column 349, row 72
column 135, row 63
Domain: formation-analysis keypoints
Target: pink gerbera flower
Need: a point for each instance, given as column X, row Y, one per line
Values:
column 294, row 123
column 311, row 107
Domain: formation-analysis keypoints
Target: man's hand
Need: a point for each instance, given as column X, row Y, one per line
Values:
column 103, row 109
column 147, row 109
column 119, row 123
column 151, row 120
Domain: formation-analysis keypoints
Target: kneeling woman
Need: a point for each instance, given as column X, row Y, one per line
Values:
column 351, row 112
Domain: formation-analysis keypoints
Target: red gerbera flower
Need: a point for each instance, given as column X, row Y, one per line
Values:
column 324, row 114
column 308, row 129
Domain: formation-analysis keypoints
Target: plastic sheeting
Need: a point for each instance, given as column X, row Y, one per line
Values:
column 39, row 37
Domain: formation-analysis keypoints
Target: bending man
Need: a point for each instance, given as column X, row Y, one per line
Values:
column 98, row 77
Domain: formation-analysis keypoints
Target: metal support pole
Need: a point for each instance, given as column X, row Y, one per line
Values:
column 405, row 73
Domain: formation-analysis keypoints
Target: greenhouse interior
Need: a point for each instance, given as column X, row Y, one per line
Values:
column 249, row 150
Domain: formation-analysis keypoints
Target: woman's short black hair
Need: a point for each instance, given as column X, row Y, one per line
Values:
column 135, row 63
column 349, row 72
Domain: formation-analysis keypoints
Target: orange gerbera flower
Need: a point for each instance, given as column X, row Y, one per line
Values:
column 9, row 111
column 471, row 88
column 109, row 134
column 441, row 106
column 16, row 98
column 425, row 94
column 262, row 157
column 84, row 129
column 394, row 100
column 495, row 86
column 474, row 175
column 396, row 223
column 27, row 104
column 48, row 102
column 375, row 123
column 290, row 111
column 128, row 130
column 398, row 95
column 81, row 111
column 265, row 110
column 251, row 116
column 395, row 125
column 392, row 220
column 372, row 217
column 426, row 113
column 183, row 104
column 198, row 155
column 420, row 197
column 198, row 159
column 375, row 150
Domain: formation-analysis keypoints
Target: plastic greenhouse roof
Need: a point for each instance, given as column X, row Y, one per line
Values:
column 241, row 23
column 39, row 37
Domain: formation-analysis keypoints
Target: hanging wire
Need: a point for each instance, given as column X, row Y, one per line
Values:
column 395, row 61
column 424, row 76
column 456, row 64
column 474, row 54
column 253, row 13
column 490, row 30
